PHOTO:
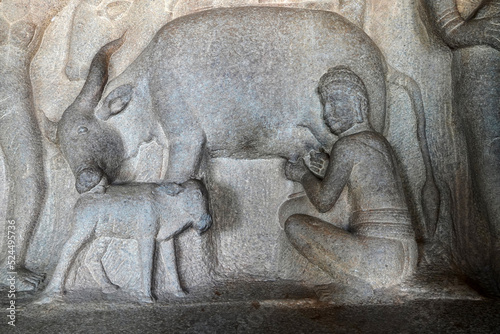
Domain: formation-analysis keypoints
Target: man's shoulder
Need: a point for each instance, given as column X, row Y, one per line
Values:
column 361, row 141
column 360, row 138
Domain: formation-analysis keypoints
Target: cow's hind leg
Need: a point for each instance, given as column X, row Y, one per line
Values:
column 167, row 253
column 96, row 268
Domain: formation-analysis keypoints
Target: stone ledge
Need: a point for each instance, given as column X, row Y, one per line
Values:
column 275, row 316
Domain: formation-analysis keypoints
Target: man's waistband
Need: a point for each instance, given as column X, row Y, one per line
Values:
column 383, row 223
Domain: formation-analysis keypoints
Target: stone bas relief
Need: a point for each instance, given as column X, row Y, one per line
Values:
column 381, row 248
column 316, row 153
column 151, row 213
column 95, row 151
column 476, row 98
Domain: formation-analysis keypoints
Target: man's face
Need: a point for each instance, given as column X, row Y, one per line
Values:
column 338, row 110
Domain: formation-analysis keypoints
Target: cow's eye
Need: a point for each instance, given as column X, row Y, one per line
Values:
column 82, row 130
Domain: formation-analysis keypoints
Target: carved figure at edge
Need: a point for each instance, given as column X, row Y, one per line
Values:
column 22, row 25
column 106, row 20
column 152, row 214
column 379, row 248
column 476, row 74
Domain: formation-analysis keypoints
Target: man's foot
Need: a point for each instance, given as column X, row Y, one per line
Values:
column 25, row 280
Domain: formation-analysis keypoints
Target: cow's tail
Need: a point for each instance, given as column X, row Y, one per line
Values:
column 430, row 192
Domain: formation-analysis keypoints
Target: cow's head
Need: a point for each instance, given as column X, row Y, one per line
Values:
column 93, row 148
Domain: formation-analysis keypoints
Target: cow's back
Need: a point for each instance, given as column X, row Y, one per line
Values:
column 254, row 71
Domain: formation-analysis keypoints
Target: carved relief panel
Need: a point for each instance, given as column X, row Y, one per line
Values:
column 106, row 106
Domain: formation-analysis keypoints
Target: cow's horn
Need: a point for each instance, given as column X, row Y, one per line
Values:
column 97, row 78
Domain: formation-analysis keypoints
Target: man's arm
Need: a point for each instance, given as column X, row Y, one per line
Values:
column 323, row 194
column 457, row 32
column 445, row 15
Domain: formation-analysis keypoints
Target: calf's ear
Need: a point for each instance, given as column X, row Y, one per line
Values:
column 115, row 102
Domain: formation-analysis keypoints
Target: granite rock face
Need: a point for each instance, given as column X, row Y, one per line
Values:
column 360, row 186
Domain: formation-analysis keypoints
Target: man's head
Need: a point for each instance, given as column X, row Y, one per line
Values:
column 344, row 98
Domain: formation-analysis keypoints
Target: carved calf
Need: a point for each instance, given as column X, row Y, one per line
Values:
column 149, row 213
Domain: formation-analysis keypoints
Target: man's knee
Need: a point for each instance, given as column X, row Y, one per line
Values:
column 295, row 224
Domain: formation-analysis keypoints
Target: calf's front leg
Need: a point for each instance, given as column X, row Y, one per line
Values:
column 167, row 254
column 96, row 268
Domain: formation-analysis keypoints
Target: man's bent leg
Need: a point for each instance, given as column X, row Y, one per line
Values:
column 348, row 257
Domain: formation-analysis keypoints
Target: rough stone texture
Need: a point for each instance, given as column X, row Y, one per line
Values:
column 250, row 200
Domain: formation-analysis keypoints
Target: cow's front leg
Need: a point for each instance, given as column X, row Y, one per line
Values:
column 146, row 255
column 167, row 254
column 185, row 155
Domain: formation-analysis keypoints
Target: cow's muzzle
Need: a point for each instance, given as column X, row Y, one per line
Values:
column 87, row 178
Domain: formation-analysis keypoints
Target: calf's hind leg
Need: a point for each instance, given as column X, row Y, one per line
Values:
column 95, row 266
column 70, row 249
column 167, row 253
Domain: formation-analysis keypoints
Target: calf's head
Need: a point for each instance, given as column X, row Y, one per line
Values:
column 192, row 203
column 93, row 148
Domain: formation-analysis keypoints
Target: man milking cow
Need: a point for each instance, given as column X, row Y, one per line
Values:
column 379, row 247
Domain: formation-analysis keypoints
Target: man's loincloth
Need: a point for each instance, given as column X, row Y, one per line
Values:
column 391, row 224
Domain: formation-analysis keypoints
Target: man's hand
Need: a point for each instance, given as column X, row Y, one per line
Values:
column 492, row 32
column 295, row 170
column 319, row 162
column 476, row 32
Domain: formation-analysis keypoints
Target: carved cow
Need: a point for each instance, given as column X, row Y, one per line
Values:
column 233, row 82
column 150, row 213
column 237, row 82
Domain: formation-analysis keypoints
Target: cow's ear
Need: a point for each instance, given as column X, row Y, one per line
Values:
column 48, row 128
column 115, row 102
